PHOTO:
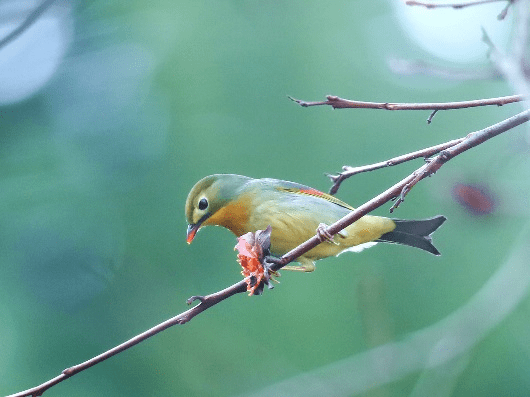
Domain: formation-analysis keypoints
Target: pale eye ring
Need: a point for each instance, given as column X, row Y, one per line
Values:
column 203, row 204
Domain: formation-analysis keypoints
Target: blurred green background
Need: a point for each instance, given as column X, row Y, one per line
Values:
column 111, row 111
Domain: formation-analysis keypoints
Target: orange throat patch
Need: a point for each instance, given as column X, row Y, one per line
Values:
column 234, row 217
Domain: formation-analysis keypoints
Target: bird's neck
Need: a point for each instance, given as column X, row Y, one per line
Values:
column 234, row 216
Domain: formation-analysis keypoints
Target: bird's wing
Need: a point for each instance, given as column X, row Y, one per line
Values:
column 295, row 188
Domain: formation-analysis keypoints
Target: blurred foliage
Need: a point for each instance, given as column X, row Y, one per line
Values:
column 149, row 97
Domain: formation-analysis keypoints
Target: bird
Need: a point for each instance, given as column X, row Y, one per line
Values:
column 295, row 212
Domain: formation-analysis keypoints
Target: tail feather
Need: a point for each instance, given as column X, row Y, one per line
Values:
column 414, row 233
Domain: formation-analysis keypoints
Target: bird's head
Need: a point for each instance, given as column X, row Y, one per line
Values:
column 214, row 201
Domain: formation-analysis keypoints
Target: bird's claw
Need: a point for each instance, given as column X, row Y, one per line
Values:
column 268, row 275
column 324, row 235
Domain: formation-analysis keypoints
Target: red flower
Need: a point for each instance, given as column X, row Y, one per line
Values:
column 249, row 257
column 253, row 247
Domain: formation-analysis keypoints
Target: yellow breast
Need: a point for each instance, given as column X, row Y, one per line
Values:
column 289, row 231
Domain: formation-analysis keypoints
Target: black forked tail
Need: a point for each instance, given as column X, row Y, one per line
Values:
column 414, row 233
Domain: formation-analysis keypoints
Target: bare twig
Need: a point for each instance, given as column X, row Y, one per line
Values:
column 471, row 140
column 400, row 189
column 348, row 171
column 205, row 303
column 450, row 5
column 431, row 5
column 504, row 11
column 35, row 14
column 445, row 149
column 341, row 103
column 431, row 116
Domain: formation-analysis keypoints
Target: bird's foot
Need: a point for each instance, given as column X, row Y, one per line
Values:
column 324, row 235
column 264, row 276
column 268, row 272
column 261, row 278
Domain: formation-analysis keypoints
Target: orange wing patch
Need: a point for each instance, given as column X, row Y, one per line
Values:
column 316, row 193
column 312, row 192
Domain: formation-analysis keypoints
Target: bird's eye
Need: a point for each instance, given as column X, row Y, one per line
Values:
column 203, row 204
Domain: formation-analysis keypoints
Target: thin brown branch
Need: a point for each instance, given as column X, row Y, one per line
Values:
column 348, row 171
column 447, row 151
column 205, row 303
column 470, row 141
column 399, row 190
column 341, row 103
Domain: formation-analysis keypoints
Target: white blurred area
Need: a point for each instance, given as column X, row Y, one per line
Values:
column 455, row 35
column 94, row 75
column 29, row 59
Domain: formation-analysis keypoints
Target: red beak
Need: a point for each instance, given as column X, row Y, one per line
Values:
column 192, row 231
